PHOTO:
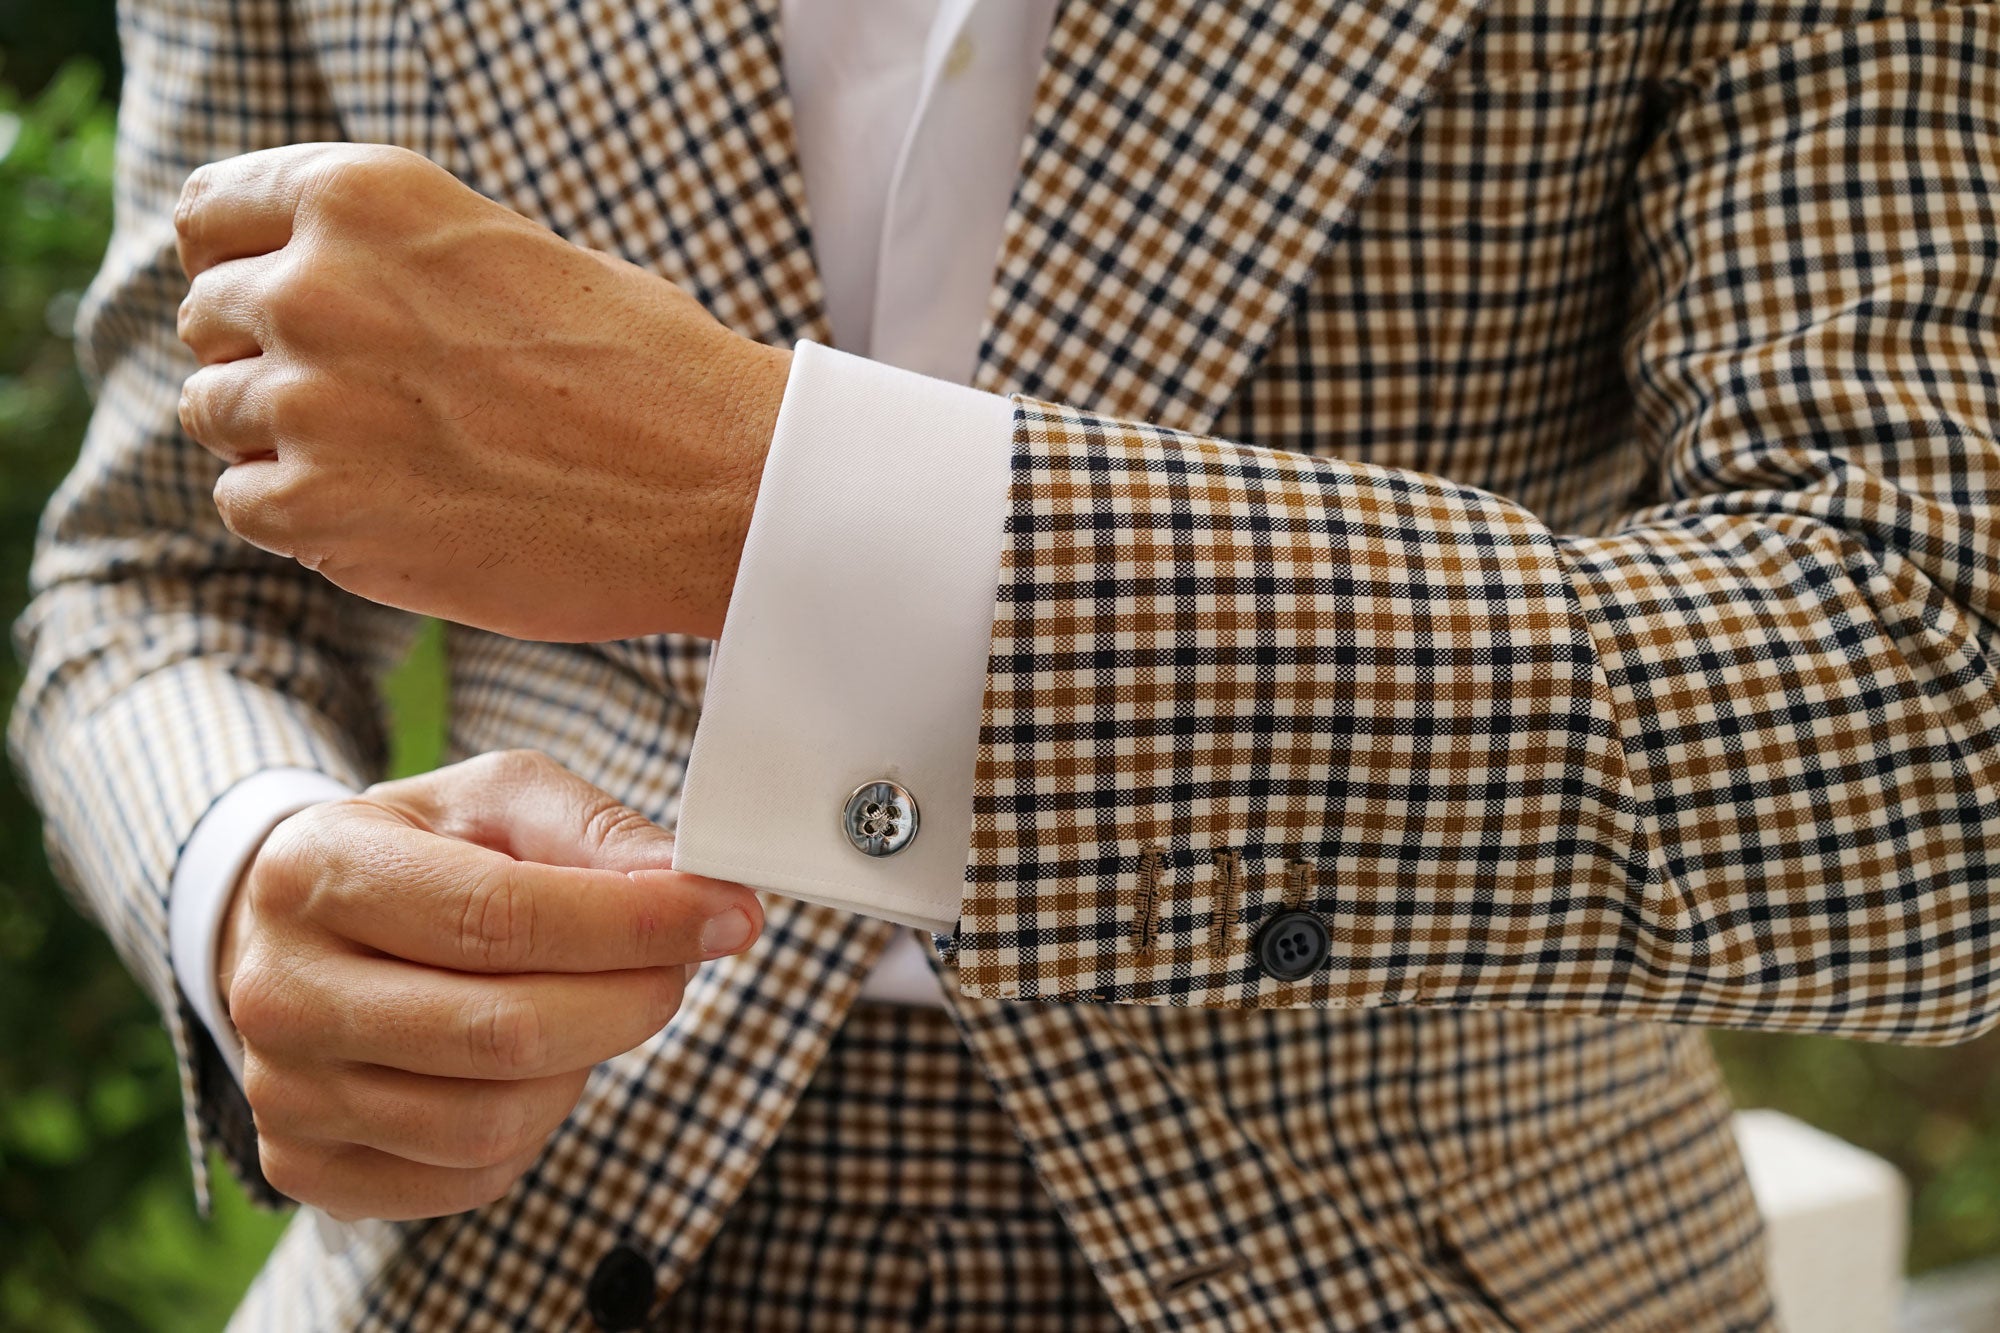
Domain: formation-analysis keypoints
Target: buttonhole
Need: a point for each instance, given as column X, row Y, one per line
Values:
column 1146, row 916
column 1190, row 1278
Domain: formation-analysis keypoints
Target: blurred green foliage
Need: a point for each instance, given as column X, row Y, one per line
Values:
column 1934, row 1113
column 94, row 1201
column 39, row 37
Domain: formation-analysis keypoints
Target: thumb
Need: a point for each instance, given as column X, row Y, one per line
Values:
column 525, row 804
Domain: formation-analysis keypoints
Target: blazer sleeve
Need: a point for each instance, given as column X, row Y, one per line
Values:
column 165, row 660
column 1734, row 763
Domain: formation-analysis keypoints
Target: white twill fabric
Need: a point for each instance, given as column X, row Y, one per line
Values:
column 847, row 659
column 1521, row 476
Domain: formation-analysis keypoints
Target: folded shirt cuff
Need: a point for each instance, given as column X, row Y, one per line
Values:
column 856, row 644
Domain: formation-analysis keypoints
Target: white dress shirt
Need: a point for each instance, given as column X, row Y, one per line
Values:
column 857, row 635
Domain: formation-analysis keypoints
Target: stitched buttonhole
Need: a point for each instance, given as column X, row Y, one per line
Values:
column 1146, row 914
column 1298, row 882
column 1189, row 1278
column 1228, row 909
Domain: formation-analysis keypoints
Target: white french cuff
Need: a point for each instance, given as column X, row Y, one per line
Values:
column 856, row 644
column 217, row 851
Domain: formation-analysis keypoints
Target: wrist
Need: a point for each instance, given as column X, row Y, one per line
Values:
column 748, row 397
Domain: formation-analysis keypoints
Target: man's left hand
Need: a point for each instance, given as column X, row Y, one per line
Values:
column 443, row 406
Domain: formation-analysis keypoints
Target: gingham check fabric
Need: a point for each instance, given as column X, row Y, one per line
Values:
column 1520, row 486
column 897, row 1197
column 1605, row 626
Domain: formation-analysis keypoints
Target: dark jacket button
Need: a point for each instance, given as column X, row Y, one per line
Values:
column 621, row 1290
column 1292, row 945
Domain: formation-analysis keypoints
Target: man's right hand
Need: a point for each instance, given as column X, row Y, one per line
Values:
column 423, row 977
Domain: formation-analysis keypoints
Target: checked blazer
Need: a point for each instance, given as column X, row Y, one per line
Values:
column 1515, row 480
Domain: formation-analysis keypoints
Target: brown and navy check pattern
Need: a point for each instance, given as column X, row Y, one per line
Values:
column 897, row 1198
column 1515, row 476
column 1711, row 739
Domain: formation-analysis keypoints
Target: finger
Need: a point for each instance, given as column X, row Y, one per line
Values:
column 529, row 806
column 428, row 899
column 225, row 410
column 455, row 1122
column 221, row 318
column 383, row 1011
column 250, row 496
column 246, row 205
column 351, row 1182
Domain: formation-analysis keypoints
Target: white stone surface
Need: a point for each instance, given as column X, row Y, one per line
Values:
column 1836, row 1218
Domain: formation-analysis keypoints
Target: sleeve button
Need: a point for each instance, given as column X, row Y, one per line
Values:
column 1292, row 945
column 621, row 1290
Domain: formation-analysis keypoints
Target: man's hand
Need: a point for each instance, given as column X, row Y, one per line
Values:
column 443, row 406
column 423, row 977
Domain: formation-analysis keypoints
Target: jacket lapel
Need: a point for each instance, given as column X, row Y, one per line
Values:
column 1187, row 164
column 655, row 129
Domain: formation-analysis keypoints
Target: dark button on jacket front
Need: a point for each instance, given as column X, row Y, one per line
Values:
column 621, row 1290
column 1291, row 945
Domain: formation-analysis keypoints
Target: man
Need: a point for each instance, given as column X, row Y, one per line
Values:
column 1495, row 564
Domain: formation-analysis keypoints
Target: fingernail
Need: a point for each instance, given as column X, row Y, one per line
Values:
column 726, row 933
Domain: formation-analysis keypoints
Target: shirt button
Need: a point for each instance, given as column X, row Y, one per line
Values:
column 621, row 1290
column 880, row 818
column 959, row 58
column 1292, row 945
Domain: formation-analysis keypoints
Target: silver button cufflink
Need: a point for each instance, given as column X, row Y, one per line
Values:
column 881, row 818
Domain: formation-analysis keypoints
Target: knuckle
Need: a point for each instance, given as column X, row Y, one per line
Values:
column 230, row 502
column 300, row 853
column 483, row 1145
column 245, row 511
column 201, row 295
column 261, row 1006
column 197, row 409
column 293, row 1169
column 663, row 999
column 498, row 763
column 337, row 176
column 267, row 1092
column 497, row 923
column 283, row 1104
column 274, row 512
column 517, row 767
column 493, row 1184
column 504, row 1134
column 186, row 208
column 358, row 174
column 609, row 821
column 298, row 290
column 507, row 1037
column 531, row 763
column 292, row 402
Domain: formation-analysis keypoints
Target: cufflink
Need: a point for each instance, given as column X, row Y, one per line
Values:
column 880, row 818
